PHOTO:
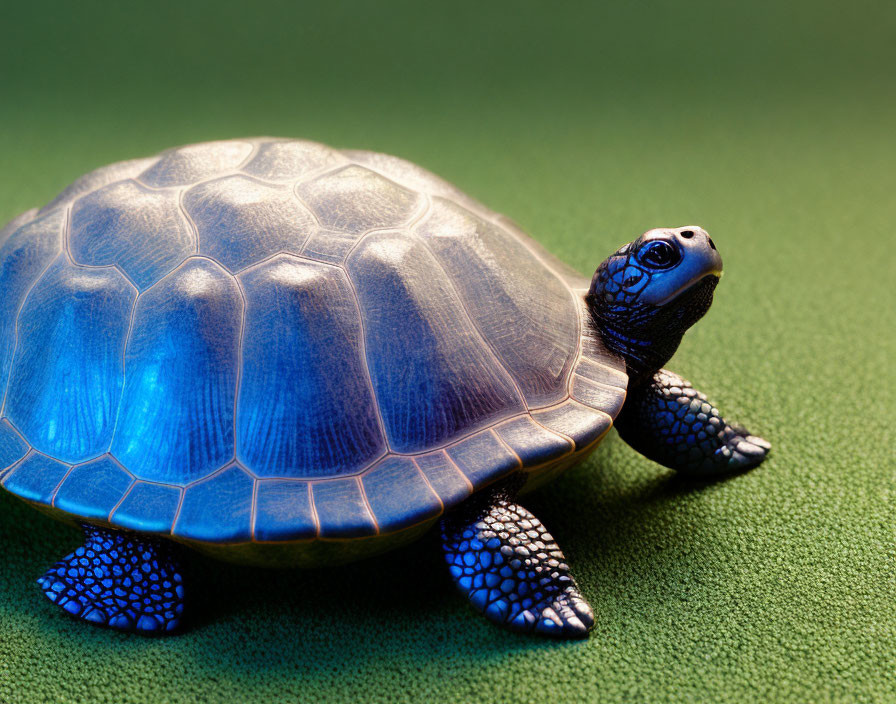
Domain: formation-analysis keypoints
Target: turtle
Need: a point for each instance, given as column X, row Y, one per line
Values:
column 285, row 354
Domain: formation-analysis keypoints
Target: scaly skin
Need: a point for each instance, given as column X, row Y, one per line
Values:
column 509, row 567
column 672, row 423
column 119, row 579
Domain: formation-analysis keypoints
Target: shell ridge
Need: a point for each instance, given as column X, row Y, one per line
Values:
column 253, row 508
column 566, row 437
column 191, row 224
column 117, row 463
column 312, row 175
column 506, row 446
column 459, row 470
column 121, row 500
column 241, row 338
column 376, row 523
column 124, row 376
column 315, row 516
column 180, row 505
column 117, row 269
column 52, row 498
column 15, row 465
column 255, row 143
column 429, row 484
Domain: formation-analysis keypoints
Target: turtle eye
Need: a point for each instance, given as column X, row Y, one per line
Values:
column 659, row 254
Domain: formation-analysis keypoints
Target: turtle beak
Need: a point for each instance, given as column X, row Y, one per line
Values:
column 700, row 259
column 700, row 252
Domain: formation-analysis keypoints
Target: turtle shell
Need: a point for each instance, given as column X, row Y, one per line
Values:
column 272, row 340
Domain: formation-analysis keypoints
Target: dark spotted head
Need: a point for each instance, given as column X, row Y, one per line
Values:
column 646, row 295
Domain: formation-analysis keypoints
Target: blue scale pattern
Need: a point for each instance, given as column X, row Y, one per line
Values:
column 670, row 422
column 120, row 580
column 512, row 571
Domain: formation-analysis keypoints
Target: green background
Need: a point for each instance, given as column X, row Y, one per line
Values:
column 771, row 124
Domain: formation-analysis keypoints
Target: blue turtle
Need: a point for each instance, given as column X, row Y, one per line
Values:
column 280, row 353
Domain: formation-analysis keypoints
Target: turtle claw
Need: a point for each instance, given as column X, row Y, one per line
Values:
column 746, row 450
column 568, row 616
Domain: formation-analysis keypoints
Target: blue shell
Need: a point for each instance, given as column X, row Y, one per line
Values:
column 272, row 340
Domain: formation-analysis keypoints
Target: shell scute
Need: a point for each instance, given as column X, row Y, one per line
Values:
column 414, row 177
column 24, row 256
column 523, row 310
column 36, row 477
column 181, row 365
column 218, row 509
column 141, row 231
column 483, row 458
column 65, row 383
column 399, row 495
column 148, row 507
column 283, row 511
column 241, row 221
column 341, row 509
column 444, row 477
column 434, row 377
column 12, row 447
column 93, row 489
column 187, row 165
column 583, row 425
column 291, row 160
column 598, row 371
column 533, row 443
column 305, row 408
column 100, row 177
column 354, row 200
column 603, row 397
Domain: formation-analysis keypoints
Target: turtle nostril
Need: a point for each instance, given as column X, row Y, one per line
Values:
column 687, row 234
column 711, row 243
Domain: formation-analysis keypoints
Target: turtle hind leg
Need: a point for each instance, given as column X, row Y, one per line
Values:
column 668, row 421
column 509, row 567
column 123, row 580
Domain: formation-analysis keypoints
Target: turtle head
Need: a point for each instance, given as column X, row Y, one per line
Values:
column 646, row 295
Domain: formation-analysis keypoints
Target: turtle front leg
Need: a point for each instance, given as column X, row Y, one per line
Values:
column 123, row 580
column 509, row 567
column 670, row 422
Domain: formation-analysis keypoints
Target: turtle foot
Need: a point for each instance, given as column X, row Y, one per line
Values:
column 509, row 567
column 669, row 421
column 121, row 580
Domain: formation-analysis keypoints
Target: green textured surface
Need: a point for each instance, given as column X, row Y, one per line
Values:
column 771, row 124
